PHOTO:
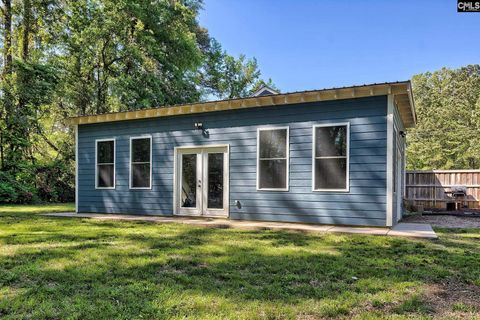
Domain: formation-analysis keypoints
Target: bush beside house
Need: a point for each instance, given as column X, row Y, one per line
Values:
column 54, row 182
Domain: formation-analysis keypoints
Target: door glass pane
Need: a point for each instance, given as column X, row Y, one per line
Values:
column 189, row 177
column 215, row 180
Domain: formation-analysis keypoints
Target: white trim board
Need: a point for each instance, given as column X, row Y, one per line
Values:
column 76, row 168
column 389, row 172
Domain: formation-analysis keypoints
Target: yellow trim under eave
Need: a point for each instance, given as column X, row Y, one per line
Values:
column 395, row 88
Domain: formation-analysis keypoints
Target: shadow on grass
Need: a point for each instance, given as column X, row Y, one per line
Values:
column 150, row 269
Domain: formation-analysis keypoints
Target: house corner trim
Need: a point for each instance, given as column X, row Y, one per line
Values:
column 390, row 110
column 76, row 168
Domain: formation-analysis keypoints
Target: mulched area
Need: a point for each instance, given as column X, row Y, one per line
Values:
column 444, row 221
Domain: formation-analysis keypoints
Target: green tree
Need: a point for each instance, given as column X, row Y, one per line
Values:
column 27, row 80
column 66, row 58
column 124, row 55
column 222, row 76
column 6, row 106
column 447, row 135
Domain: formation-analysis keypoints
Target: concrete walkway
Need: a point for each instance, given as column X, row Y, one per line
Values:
column 415, row 230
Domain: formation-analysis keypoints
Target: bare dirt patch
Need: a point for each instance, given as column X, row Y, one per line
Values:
column 453, row 300
column 445, row 221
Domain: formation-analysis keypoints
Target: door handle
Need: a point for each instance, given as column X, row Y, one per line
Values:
column 199, row 183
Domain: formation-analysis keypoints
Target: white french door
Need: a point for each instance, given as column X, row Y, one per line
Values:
column 201, row 181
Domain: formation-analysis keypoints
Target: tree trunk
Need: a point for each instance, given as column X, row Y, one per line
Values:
column 27, row 20
column 2, row 157
column 6, row 72
column 7, row 38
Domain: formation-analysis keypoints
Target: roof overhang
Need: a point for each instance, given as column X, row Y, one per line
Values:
column 402, row 92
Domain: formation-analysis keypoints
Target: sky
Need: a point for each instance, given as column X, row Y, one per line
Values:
column 314, row 44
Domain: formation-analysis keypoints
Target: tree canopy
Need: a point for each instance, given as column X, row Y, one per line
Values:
column 64, row 58
column 447, row 135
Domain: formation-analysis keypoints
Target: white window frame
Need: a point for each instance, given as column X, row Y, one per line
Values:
column 314, row 139
column 287, row 158
column 130, row 163
column 114, row 163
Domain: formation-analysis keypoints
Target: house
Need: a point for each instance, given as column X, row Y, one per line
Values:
column 264, row 90
column 330, row 156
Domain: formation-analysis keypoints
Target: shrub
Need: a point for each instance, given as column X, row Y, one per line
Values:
column 51, row 182
column 55, row 182
column 14, row 191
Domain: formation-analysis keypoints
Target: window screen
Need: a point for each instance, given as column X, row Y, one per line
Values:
column 106, row 164
column 330, row 157
column 140, row 166
column 272, row 158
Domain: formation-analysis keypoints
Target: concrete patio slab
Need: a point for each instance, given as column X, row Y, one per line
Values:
column 402, row 229
column 361, row 230
column 416, row 230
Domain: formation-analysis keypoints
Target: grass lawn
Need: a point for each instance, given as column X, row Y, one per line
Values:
column 56, row 268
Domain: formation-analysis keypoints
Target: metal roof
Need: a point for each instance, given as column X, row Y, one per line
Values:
column 401, row 90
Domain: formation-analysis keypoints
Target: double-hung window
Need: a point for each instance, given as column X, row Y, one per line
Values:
column 105, row 164
column 331, row 157
column 272, row 158
column 141, row 162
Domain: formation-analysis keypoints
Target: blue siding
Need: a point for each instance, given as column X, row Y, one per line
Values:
column 365, row 204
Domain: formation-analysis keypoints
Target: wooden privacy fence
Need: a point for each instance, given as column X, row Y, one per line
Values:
column 430, row 188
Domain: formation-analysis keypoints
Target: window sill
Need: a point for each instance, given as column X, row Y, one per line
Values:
column 332, row 190
column 273, row 190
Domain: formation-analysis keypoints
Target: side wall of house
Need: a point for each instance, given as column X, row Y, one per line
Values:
column 364, row 204
column 400, row 163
